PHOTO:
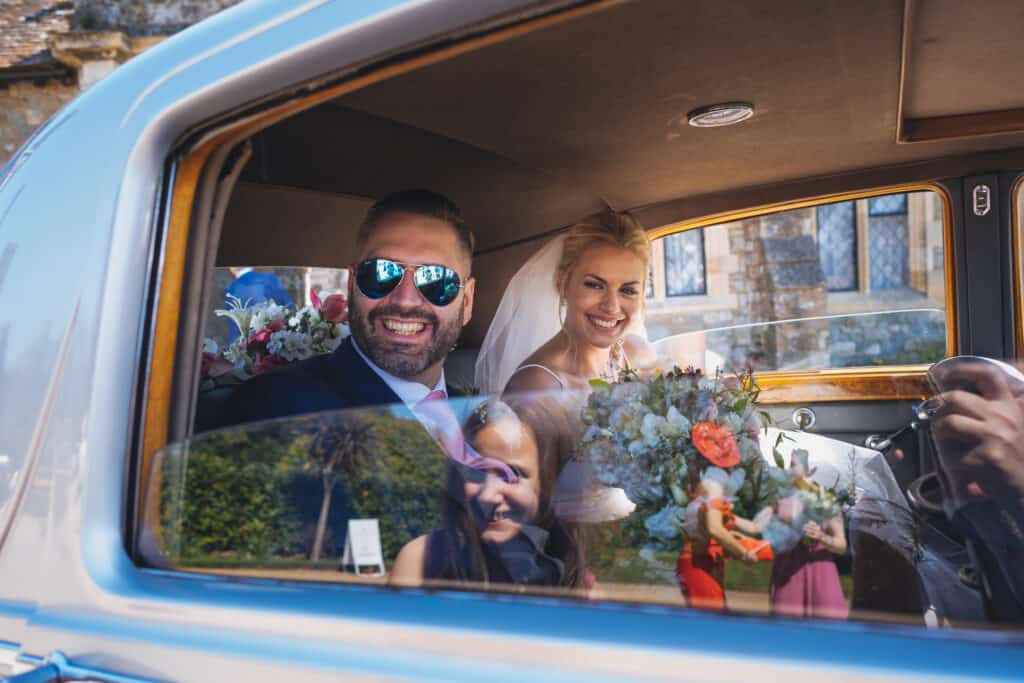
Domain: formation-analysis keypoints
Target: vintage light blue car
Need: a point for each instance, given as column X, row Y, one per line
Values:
column 832, row 194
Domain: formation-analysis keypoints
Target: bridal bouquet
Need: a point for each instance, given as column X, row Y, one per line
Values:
column 654, row 438
column 820, row 504
column 271, row 335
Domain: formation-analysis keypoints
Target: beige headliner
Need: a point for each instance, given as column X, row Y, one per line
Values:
column 532, row 133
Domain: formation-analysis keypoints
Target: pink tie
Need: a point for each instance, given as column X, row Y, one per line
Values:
column 444, row 425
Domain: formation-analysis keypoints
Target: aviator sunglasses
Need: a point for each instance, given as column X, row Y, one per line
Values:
column 378, row 277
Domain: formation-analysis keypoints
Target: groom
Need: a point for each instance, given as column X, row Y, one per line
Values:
column 410, row 293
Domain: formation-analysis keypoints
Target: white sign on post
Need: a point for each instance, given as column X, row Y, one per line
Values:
column 362, row 547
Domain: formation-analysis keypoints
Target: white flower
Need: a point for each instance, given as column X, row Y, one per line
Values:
column 290, row 346
column 677, row 421
column 652, row 428
column 237, row 311
column 629, row 392
column 626, row 420
column 257, row 321
column 210, row 346
column 275, row 311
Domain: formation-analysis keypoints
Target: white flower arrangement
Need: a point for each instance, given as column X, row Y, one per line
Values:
column 272, row 335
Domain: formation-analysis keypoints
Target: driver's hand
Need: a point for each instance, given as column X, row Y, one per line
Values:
column 980, row 437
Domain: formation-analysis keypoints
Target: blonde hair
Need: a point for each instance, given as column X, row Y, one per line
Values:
column 606, row 228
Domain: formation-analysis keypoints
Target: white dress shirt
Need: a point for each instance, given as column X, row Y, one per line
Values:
column 411, row 393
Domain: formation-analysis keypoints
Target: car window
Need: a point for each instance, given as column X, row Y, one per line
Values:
column 842, row 284
column 666, row 489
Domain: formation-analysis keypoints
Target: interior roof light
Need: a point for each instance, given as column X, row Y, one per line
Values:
column 724, row 114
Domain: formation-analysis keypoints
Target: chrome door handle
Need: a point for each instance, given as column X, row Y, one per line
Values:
column 57, row 669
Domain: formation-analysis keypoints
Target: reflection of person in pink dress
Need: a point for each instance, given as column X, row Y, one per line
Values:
column 805, row 581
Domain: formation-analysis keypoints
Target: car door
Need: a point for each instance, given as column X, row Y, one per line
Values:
column 101, row 306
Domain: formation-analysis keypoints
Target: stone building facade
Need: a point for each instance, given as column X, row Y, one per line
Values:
column 51, row 50
column 785, row 291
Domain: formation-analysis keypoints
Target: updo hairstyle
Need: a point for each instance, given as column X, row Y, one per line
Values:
column 606, row 228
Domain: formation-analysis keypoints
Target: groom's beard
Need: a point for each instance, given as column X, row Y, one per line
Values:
column 401, row 360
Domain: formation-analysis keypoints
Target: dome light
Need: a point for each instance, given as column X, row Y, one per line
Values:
column 724, row 114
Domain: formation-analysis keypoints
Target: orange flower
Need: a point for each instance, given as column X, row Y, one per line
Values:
column 716, row 443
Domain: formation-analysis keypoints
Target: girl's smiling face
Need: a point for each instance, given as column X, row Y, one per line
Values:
column 603, row 293
column 504, row 499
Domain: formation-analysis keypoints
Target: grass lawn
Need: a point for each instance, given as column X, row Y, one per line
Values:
column 628, row 566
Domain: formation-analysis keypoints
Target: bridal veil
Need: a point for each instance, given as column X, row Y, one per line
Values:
column 527, row 317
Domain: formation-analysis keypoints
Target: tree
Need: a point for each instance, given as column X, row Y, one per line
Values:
column 339, row 444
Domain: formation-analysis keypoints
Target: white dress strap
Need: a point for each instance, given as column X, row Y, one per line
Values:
column 558, row 378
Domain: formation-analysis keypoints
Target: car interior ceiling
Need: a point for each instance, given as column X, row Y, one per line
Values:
column 532, row 133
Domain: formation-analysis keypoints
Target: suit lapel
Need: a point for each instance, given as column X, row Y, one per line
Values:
column 359, row 387
column 356, row 381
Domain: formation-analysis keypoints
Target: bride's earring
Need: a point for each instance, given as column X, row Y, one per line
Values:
column 561, row 311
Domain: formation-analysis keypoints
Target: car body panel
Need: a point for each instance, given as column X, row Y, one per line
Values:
column 75, row 305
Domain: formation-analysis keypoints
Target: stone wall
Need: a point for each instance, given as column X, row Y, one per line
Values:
column 24, row 106
column 779, row 278
column 145, row 17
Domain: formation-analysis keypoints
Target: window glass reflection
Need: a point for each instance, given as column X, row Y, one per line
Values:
column 674, row 488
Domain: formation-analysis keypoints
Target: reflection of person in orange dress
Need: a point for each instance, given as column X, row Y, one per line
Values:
column 715, row 532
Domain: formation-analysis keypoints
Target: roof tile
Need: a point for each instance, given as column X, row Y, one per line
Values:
column 25, row 26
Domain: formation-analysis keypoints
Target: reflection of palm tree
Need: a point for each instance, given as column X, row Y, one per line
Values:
column 339, row 445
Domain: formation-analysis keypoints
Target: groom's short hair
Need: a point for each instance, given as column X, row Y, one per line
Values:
column 422, row 203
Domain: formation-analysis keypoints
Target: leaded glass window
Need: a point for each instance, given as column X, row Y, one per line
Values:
column 837, row 245
column 888, row 205
column 888, row 237
column 684, row 264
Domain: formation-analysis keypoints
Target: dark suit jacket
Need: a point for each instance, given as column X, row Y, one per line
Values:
column 328, row 382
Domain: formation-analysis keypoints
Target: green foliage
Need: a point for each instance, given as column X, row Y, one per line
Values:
column 401, row 484
column 920, row 352
column 223, row 496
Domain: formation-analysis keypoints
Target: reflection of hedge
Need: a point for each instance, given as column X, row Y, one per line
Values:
column 246, row 495
column 401, row 484
column 231, row 501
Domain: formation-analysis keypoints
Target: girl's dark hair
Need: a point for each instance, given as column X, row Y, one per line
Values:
column 456, row 551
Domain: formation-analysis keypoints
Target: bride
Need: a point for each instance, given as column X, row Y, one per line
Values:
column 573, row 313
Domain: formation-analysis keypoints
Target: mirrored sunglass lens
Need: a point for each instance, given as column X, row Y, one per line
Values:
column 439, row 285
column 378, row 277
